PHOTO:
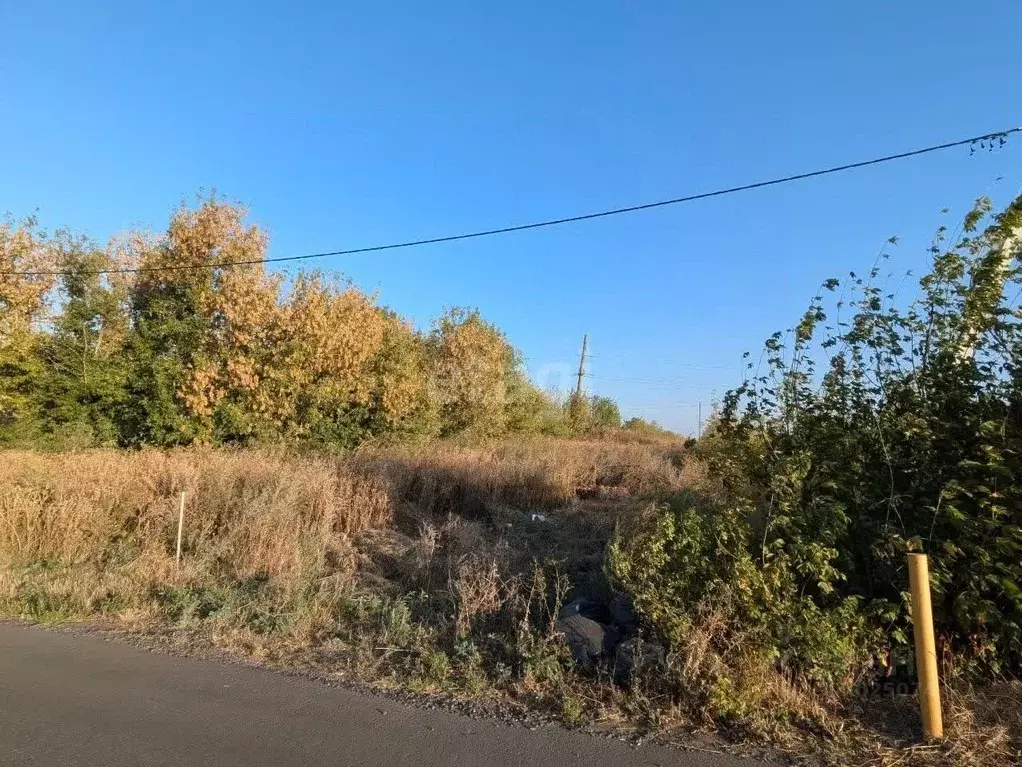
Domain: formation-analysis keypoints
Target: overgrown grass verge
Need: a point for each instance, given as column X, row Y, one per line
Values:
column 436, row 569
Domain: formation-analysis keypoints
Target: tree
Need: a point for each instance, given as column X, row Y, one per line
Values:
column 471, row 368
column 84, row 385
column 642, row 426
column 23, row 306
column 171, row 320
column 186, row 348
column 604, row 412
column 907, row 438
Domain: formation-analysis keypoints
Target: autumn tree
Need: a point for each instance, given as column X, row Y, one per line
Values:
column 172, row 314
column 186, row 336
column 472, row 364
column 23, row 305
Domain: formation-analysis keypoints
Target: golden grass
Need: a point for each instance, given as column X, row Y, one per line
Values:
column 532, row 472
column 247, row 512
column 419, row 566
column 290, row 517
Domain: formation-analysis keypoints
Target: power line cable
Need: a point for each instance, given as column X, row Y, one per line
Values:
column 615, row 361
column 999, row 136
column 665, row 360
column 663, row 382
column 657, row 405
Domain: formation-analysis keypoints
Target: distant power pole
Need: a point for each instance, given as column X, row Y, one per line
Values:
column 699, row 434
column 581, row 366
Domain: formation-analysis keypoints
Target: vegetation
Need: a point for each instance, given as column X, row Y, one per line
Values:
column 900, row 431
column 438, row 569
column 185, row 351
column 765, row 561
column 642, row 426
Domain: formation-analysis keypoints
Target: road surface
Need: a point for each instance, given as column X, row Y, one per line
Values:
column 77, row 700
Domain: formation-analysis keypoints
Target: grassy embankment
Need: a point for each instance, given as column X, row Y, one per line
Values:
column 416, row 568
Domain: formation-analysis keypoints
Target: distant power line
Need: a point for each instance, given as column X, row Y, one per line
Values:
column 618, row 361
column 659, row 405
column 664, row 382
column 666, row 359
column 998, row 136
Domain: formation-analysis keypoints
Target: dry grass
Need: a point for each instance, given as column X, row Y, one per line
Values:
column 95, row 531
column 982, row 726
column 438, row 568
column 246, row 513
column 531, row 473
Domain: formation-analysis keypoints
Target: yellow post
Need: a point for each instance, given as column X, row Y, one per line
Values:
column 926, row 651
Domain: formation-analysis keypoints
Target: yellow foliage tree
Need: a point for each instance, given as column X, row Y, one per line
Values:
column 472, row 364
column 22, row 297
column 23, row 305
column 204, row 343
column 283, row 364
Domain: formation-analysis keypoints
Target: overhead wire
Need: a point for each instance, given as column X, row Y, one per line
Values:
column 667, row 382
column 667, row 359
column 996, row 135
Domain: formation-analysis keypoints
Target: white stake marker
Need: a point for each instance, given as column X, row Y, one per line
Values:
column 180, row 526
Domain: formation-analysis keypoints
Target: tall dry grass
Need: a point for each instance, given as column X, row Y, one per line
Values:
column 423, row 566
column 245, row 512
column 532, row 472
column 94, row 518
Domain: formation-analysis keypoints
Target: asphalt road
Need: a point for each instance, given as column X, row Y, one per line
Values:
column 76, row 700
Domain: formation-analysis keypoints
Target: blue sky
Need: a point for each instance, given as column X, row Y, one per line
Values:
column 342, row 125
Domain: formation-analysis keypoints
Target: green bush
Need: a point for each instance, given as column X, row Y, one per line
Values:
column 604, row 413
column 877, row 431
column 693, row 559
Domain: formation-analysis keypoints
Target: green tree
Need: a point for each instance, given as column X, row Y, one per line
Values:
column 604, row 412
column 170, row 322
column 642, row 426
column 908, row 438
column 532, row 411
column 875, row 429
column 84, row 385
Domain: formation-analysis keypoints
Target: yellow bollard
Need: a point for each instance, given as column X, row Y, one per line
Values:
column 926, row 651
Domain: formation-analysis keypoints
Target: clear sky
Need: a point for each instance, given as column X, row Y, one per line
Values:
column 349, row 124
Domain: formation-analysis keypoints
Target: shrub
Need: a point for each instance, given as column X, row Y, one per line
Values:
column 691, row 558
column 900, row 431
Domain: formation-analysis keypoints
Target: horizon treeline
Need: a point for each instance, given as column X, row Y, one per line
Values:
column 182, row 351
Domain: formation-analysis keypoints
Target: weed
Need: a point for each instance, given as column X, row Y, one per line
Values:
column 572, row 711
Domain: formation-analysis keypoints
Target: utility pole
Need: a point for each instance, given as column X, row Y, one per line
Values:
column 699, row 434
column 581, row 366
